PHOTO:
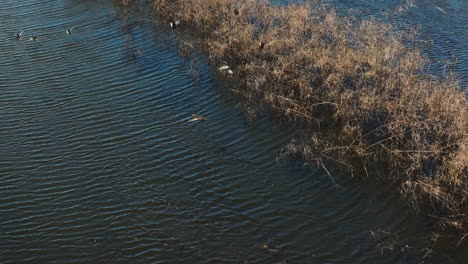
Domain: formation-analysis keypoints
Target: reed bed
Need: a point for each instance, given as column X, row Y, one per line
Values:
column 363, row 79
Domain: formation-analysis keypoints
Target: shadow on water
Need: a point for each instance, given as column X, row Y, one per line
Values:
column 99, row 164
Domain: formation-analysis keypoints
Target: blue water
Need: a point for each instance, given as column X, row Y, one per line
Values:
column 98, row 163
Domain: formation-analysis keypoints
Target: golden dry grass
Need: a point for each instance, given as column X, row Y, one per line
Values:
column 307, row 65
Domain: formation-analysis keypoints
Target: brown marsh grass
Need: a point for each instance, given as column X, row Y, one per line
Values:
column 306, row 65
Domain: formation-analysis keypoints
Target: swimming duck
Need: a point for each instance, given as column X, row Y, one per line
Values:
column 18, row 35
column 174, row 23
column 69, row 32
column 33, row 37
column 226, row 68
column 196, row 117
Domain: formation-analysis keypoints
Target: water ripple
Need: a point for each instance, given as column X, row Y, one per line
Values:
column 99, row 165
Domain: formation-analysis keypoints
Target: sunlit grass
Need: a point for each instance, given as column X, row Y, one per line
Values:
column 306, row 65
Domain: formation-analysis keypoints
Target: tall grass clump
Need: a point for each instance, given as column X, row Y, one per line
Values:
column 308, row 66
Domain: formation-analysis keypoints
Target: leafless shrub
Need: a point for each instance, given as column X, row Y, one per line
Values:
column 388, row 242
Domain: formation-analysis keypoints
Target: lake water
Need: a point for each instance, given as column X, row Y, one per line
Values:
column 98, row 163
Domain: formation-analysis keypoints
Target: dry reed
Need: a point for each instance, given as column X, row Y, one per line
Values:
column 307, row 65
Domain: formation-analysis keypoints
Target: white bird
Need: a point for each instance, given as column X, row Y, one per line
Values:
column 69, row 32
column 18, row 35
column 224, row 67
column 174, row 23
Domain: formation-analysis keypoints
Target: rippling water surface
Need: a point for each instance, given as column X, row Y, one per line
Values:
column 98, row 163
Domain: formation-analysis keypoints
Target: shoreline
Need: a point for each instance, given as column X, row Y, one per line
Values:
column 308, row 67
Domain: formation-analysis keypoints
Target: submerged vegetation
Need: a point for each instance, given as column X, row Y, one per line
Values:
column 362, row 79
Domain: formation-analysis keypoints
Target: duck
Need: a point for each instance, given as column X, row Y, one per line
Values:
column 69, row 31
column 33, row 37
column 174, row 23
column 226, row 68
column 261, row 45
column 196, row 117
column 18, row 35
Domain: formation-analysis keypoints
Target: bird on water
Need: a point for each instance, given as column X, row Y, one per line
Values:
column 33, row 37
column 226, row 68
column 196, row 117
column 69, row 31
column 18, row 35
column 174, row 23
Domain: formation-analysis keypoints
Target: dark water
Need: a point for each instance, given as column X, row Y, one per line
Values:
column 98, row 163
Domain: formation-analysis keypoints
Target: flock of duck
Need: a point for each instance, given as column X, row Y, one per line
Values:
column 19, row 36
column 173, row 24
column 224, row 68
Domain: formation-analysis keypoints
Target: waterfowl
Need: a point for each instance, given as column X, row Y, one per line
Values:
column 18, row 35
column 226, row 68
column 69, row 32
column 236, row 12
column 33, row 37
column 261, row 45
column 174, row 23
column 196, row 118
column 137, row 53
